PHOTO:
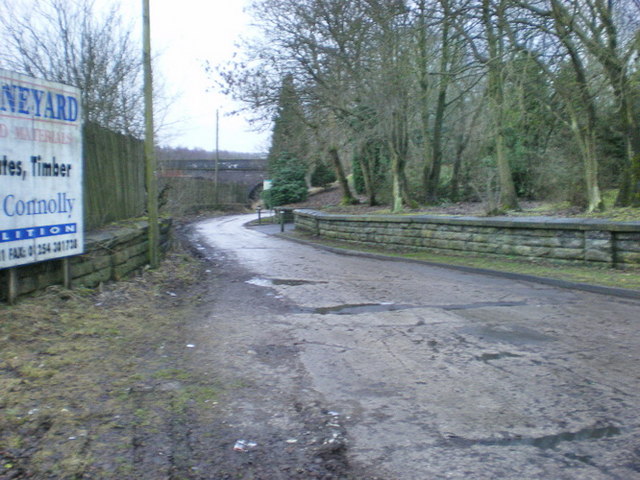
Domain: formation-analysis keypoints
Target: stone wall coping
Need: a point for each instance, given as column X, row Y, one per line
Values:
column 541, row 222
column 121, row 232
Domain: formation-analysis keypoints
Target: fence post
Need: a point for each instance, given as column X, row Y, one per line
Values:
column 66, row 272
column 12, row 287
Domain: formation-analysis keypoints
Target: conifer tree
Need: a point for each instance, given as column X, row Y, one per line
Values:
column 286, row 159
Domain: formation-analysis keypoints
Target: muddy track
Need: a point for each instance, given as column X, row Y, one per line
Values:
column 294, row 364
column 266, row 423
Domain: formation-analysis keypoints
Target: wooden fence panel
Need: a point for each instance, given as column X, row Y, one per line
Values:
column 113, row 177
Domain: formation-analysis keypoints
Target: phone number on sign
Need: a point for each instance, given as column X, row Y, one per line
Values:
column 40, row 249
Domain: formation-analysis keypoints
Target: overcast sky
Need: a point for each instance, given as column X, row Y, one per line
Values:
column 186, row 33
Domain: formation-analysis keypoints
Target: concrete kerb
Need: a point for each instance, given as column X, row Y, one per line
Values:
column 601, row 290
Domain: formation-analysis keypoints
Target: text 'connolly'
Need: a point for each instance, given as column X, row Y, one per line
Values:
column 16, row 207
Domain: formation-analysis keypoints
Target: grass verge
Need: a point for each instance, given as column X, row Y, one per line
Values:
column 592, row 275
column 89, row 377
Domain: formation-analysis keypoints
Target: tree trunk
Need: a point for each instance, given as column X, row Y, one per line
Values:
column 433, row 181
column 368, row 160
column 436, row 164
column 629, row 194
column 398, row 147
column 457, row 168
column 396, row 183
column 585, row 138
column 425, row 113
column 508, row 197
column 347, row 196
column 583, row 130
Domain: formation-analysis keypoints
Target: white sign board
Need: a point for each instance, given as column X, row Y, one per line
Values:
column 41, row 202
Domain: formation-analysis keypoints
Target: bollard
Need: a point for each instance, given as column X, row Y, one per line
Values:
column 281, row 221
column 259, row 209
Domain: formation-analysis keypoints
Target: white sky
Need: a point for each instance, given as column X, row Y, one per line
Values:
column 184, row 34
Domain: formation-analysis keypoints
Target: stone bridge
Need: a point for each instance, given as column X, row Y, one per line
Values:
column 249, row 173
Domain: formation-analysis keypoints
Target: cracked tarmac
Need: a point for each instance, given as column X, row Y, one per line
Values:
column 431, row 373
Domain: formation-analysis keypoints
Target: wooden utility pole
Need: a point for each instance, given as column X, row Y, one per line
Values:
column 217, row 156
column 151, row 180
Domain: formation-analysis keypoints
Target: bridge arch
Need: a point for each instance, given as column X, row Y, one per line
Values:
column 238, row 175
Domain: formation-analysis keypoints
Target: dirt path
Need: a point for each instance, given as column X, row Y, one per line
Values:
column 153, row 378
column 267, row 422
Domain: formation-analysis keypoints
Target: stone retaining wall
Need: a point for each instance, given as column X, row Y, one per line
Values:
column 110, row 254
column 571, row 240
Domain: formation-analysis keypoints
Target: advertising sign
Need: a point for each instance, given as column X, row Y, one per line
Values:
column 41, row 214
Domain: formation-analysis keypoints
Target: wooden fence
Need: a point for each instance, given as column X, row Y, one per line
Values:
column 114, row 187
column 113, row 177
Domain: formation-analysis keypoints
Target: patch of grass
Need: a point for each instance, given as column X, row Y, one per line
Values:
column 32, row 371
column 581, row 274
column 617, row 214
column 172, row 374
column 203, row 394
column 265, row 219
column 81, row 373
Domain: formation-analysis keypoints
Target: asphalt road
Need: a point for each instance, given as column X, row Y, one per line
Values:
column 422, row 372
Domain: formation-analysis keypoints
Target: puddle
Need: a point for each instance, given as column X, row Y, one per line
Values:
column 269, row 282
column 551, row 441
column 469, row 306
column 357, row 308
column 514, row 334
column 260, row 282
column 545, row 442
column 294, row 283
column 487, row 357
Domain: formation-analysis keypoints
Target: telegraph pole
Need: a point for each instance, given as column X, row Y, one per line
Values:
column 217, row 156
column 151, row 180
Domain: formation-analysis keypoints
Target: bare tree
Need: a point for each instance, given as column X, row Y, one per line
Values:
column 609, row 31
column 493, row 19
column 558, row 55
column 322, row 44
column 73, row 42
column 435, row 60
column 451, row 85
